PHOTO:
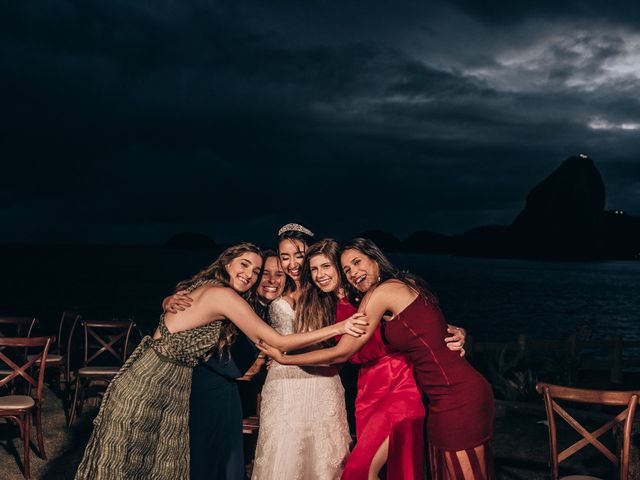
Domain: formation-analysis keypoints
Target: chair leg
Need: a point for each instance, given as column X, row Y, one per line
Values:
column 27, row 448
column 55, row 382
column 67, row 388
column 83, row 387
column 72, row 415
column 59, row 378
column 40, row 436
column 19, row 423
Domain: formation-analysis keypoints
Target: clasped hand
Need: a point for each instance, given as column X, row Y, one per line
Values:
column 354, row 326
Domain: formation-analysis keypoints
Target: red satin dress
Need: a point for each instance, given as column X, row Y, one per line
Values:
column 460, row 408
column 388, row 404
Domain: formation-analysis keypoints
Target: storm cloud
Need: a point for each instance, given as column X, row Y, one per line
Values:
column 126, row 122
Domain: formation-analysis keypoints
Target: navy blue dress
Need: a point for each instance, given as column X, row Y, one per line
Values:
column 215, row 413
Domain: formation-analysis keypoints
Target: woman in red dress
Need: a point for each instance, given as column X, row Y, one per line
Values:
column 389, row 409
column 460, row 408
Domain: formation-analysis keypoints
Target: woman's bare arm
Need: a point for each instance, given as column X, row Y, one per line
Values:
column 235, row 308
column 375, row 304
column 346, row 347
column 254, row 368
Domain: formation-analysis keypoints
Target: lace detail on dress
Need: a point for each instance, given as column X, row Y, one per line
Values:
column 303, row 424
column 281, row 314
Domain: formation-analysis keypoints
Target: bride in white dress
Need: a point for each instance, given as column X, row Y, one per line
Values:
column 303, row 433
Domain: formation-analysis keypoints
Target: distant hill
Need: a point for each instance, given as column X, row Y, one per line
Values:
column 426, row 241
column 564, row 218
column 385, row 240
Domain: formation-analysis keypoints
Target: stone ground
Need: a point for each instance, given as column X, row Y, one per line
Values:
column 520, row 445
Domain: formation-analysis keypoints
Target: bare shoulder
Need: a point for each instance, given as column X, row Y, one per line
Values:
column 392, row 287
column 222, row 301
column 391, row 293
column 219, row 293
column 393, row 283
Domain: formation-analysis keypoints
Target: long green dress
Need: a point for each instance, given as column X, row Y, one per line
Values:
column 142, row 429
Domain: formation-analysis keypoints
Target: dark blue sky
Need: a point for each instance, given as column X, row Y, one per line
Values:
column 128, row 121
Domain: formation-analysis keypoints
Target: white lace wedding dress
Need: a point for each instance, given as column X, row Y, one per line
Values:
column 303, row 433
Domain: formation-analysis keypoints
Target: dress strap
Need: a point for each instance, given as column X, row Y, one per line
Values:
column 199, row 283
column 164, row 331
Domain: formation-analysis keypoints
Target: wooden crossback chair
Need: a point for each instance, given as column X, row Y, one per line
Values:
column 251, row 391
column 20, row 408
column 106, row 345
column 60, row 357
column 17, row 326
column 628, row 399
column 251, row 423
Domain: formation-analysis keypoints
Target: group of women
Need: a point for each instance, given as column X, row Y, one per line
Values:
column 338, row 305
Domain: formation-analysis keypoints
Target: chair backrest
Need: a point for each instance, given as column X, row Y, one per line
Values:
column 627, row 399
column 106, row 340
column 66, row 327
column 66, row 335
column 19, row 365
column 19, row 326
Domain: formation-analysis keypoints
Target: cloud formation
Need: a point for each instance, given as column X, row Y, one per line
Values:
column 129, row 121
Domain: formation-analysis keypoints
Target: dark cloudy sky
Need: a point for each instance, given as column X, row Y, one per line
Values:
column 126, row 121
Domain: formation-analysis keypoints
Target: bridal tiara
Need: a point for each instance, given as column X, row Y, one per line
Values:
column 294, row 227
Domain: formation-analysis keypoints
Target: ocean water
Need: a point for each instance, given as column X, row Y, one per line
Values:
column 494, row 299
column 497, row 299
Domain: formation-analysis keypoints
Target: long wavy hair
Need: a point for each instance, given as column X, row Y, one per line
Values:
column 217, row 275
column 387, row 270
column 317, row 309
column 292, row 235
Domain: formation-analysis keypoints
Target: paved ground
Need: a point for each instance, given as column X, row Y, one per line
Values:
column 520, row 446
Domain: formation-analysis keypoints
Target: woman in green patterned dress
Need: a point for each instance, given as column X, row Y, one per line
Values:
column 141, row 431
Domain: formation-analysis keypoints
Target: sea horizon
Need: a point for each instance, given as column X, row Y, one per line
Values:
column 495, row 299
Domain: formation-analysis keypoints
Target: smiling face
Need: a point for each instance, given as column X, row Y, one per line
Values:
column 291, row 253
column 324, row 273
column 272, row 281
column 243, row 271
column 361, row 271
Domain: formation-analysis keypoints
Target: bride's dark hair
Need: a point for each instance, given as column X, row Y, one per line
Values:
column 216, row 274
column 292, row 236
